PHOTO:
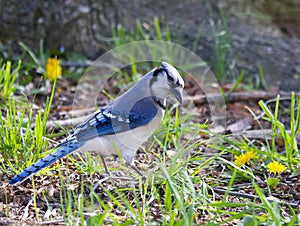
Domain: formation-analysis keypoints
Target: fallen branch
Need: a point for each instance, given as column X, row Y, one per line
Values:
column 236, row 96
column 262, row 134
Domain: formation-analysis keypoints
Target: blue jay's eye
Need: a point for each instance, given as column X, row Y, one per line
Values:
column 179, row 84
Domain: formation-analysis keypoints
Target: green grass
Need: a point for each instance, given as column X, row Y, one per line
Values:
column 184, row 164
column 7, row 79
column 36, row 62
column 22, row 141
column 292, row 153
column 160, row 31
column 176, row 190
column 221, row 47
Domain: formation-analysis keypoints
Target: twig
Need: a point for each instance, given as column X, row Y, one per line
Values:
column 253, row 197
column 259, row 134
column 53, row 222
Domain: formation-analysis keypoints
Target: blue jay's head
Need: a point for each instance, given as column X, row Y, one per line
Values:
column 167, row 81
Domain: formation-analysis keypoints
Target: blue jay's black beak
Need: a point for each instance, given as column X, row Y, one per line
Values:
column 177, row 92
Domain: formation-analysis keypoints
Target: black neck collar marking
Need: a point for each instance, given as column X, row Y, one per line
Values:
column 160, row 102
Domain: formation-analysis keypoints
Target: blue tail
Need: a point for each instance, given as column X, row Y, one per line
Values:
column 64, row 149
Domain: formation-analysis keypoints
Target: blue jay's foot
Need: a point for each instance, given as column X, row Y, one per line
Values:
column 138, row 171
column 114, row 177
column 122, row 178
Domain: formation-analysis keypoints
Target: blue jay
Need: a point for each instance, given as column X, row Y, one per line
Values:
column 123, row 125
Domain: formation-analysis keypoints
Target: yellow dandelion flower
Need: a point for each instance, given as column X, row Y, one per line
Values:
column 53, row 68
column 245, row 158
column 276, row 167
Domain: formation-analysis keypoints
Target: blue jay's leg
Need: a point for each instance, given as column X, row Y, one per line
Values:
column 105, row 166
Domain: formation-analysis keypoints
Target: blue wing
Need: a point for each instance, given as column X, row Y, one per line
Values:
column 142, row 112
column 106, row 121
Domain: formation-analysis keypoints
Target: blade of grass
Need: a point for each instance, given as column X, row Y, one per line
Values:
column 272, row 208
column 157, row 29
column 236, row 84
column 31, row 53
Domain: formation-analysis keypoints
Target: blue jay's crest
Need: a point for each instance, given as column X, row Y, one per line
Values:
column 123, row 125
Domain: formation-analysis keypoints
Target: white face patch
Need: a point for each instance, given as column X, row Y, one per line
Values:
column 161, row 88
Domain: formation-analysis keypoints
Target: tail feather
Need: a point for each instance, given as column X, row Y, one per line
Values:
column 64, row 149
